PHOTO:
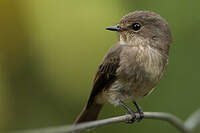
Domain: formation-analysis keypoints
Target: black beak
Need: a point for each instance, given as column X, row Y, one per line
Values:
column 114, row 28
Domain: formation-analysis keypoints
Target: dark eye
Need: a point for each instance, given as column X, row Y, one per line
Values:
column 136, row 26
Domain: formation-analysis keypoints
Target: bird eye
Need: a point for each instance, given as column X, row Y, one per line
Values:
column 136, row 26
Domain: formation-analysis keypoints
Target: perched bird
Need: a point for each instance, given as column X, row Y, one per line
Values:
column 133, row 66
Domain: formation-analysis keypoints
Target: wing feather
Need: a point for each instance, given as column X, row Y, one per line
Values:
column 106, row 73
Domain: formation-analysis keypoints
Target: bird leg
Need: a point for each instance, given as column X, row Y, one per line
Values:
column 139, row 110
column 131, row 112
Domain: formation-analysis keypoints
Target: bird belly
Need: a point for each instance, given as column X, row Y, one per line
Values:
column 125, row 91
column 136, row 81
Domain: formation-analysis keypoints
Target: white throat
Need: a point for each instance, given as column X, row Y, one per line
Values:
column 122, row 42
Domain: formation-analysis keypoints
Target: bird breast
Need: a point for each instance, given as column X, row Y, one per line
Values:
column 141, row 67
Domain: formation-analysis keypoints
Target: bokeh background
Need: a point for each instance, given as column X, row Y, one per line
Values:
column 50, row 50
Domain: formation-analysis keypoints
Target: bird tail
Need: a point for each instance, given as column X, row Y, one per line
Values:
column 89, row 113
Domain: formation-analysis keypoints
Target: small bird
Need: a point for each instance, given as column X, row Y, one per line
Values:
column 133, row 66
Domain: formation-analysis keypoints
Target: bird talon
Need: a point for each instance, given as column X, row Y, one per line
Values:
column 141, row 116
column 129, row 121
column 139, row 111
column 132, row 120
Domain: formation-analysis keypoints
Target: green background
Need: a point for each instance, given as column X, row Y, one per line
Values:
column 50, row 51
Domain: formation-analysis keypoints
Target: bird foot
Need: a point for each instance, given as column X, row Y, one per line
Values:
column 139, row 110
column 141, row 116
column 133, row 118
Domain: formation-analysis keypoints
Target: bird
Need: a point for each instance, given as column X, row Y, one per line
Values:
column 132, row 67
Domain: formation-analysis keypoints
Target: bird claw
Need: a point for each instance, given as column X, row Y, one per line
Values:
column 139, row 111
column 141, row 116
column 133, row 118
column 132, row 113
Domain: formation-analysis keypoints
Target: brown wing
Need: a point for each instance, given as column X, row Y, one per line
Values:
column 106, row 73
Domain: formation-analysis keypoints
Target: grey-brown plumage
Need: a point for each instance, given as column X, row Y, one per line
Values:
column 134, row 65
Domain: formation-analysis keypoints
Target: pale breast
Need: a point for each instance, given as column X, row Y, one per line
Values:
column 140, row 70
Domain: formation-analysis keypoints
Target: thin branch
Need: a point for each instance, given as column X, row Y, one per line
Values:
column 189, row 125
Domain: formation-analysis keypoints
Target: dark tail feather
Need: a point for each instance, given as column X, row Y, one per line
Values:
column 89, row 113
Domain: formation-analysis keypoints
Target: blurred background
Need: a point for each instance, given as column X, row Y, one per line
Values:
column 50, row 51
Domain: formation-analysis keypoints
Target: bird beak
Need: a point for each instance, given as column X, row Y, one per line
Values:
column 114, row 28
